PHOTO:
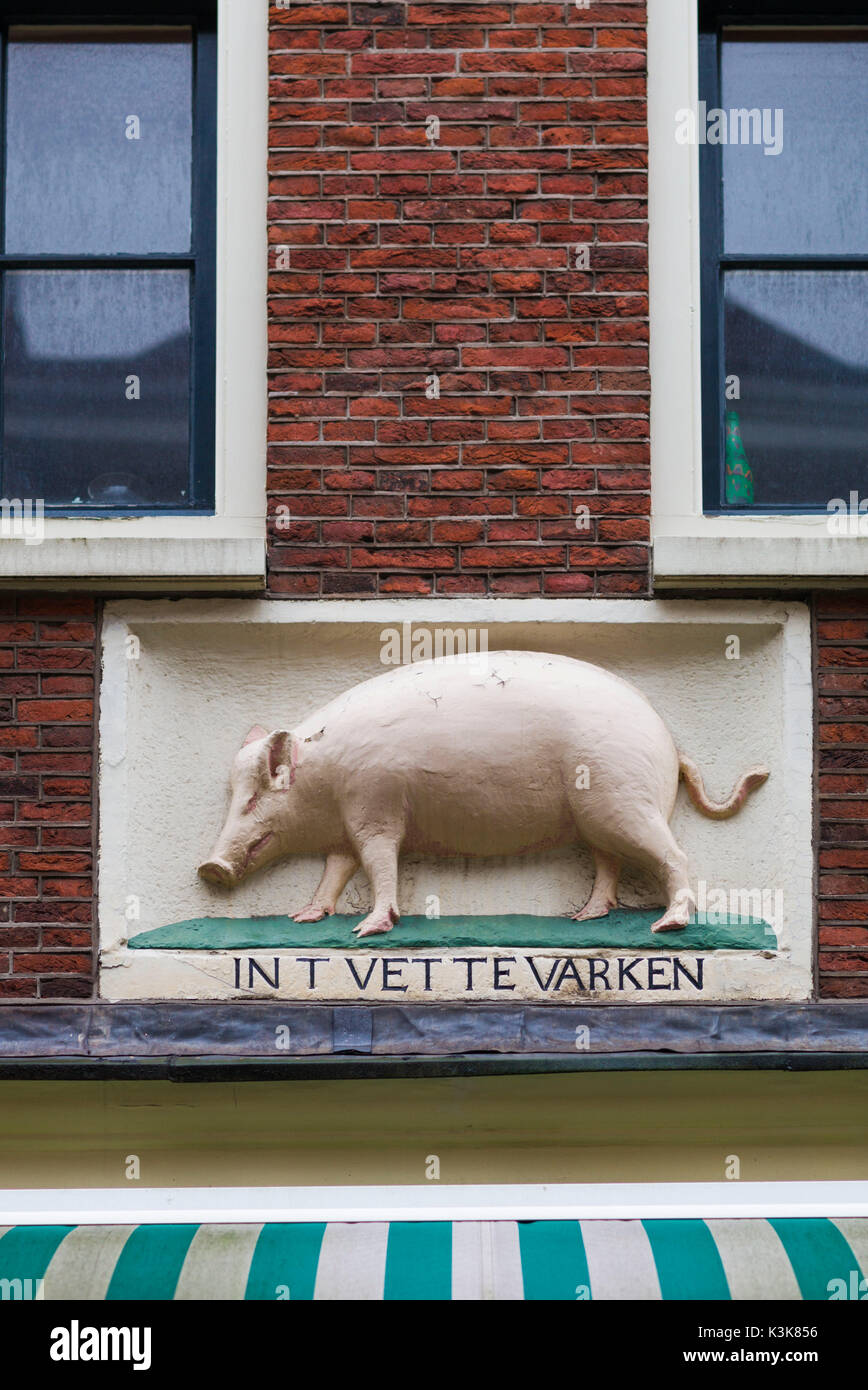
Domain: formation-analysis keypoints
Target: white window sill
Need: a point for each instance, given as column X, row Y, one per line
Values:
column 158, row 563
column 771, row 553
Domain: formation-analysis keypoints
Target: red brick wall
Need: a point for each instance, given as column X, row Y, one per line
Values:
column 47, row 660
column 393, row 258
column 842, row 674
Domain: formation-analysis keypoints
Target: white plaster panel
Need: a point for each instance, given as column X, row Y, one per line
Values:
column 173, row 717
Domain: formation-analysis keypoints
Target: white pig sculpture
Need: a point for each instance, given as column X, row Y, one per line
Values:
column 444, row 758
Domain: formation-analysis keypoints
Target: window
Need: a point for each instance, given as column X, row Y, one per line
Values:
column 784, row 240
column 108, row 260
column 752, row 257
column 214, row 539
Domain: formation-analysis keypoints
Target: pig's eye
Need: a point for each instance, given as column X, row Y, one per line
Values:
column 251, row 803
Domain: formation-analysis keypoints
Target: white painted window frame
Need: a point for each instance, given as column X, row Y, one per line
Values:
column 107, row 1206
column 689, row 548
column 226, row 550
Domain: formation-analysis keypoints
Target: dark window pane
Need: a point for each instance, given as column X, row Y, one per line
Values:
column 798, row 343
column 99, row 146
column 812, row 197
column 78, row 347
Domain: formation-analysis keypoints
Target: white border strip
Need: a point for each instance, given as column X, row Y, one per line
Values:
column 457, row 612
column 520, row 1202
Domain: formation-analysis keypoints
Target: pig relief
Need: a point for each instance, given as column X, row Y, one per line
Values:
column 441, row 758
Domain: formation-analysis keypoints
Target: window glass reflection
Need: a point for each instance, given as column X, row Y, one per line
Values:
column 797, row 345
column 96, row 390
column 811, row 198
column 99, row 146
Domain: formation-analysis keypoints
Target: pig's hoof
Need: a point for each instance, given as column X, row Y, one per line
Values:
column 672, row 921
column 312, row 913
column 376, row 926
column 383, row 924
column 592, row 912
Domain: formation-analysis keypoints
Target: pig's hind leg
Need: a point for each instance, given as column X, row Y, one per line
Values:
column 379, row 856
column 670, row 865
column 654, row 847
column 338, row 871
column 604, row 894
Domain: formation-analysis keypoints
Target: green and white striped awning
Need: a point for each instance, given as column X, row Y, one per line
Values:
column 790, row 1258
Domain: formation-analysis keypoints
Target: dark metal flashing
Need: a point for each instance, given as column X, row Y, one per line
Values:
column 355, row 1068
column 272, row 1040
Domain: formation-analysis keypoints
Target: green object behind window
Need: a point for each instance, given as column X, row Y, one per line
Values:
column 739, row 477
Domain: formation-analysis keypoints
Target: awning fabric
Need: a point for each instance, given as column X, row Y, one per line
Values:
column 440, row 1260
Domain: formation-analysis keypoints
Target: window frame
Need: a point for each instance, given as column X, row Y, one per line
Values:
column 714, row 17
column 694, row 552
column 201, row 259
column 224, row 551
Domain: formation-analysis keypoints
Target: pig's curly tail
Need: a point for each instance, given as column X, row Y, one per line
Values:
column 719, row 810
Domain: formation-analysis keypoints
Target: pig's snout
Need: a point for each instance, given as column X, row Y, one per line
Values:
column 228, row 865
column 217, row 871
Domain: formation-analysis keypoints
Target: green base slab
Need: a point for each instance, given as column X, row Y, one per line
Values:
column 628, row 928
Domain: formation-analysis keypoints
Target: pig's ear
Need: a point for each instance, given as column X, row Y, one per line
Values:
column 281, row 751
column 256, row 733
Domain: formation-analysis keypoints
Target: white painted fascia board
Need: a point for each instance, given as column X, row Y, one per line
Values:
column 471, row 1202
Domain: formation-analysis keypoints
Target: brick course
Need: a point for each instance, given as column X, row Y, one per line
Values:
column 395, row 257
column 47, row 668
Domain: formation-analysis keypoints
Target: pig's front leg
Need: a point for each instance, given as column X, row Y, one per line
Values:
column 379, row 856
column 338, row 871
